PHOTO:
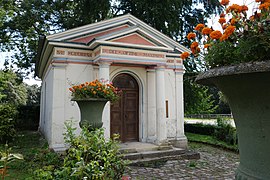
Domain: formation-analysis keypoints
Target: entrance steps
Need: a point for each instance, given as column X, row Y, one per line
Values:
column 138, row 152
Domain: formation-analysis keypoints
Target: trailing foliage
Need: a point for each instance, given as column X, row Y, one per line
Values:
column 242, row 39
column 90, row 156
column 7, row 122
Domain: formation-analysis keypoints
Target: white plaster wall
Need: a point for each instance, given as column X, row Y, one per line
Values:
column 60, row 108
column 139, row 73
column 171, row 97
column 57, row 99
column 46, row 106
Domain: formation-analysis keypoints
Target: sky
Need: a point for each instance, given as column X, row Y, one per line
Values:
column 249, row 3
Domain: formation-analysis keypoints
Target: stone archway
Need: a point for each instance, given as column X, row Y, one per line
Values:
column 125, row 112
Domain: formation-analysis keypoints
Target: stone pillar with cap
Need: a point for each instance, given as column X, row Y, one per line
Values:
column 104, row 74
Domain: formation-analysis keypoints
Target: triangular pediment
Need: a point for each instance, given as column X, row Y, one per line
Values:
column 123, row 39
column 125, row 29
column 134, row 38
column 89, row 37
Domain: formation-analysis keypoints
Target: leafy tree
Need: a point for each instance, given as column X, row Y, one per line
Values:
column 12, row 89
column 197, row 99
column 22, row 22
column 33, row 95
column 71, row 14
column 172, row 17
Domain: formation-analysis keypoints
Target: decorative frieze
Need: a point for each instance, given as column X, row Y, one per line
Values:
column 73, row 53
column 132, row 53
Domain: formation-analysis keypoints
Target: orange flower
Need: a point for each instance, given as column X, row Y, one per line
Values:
column 233, row 21
column 265, row 6
column 215, row 34
column 224, row 26
column 234, row 8
column 222, row 15
column 184, row 55
column 191, row 36
column 224, row 37
column 229, row 30
column 194, row 45
column 199, row 27
column 207, row 46
column 222, row 20
column 94, row 92
column 244, row 8
column 206, row 30
column 224, row 2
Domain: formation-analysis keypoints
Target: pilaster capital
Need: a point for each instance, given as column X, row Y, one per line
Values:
column 150, row 69
column 104, row 64
column 160, row 67
column 179, row 71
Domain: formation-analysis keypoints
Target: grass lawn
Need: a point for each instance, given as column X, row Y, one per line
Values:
column 34, row 148
column 210, row 140
column 36, row 154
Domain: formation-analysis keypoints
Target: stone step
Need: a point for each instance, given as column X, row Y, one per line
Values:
column 138, row 152
column 134, row 147
column 139, row 159
column 153, row 154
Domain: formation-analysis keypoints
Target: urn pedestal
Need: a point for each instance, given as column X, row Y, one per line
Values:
column 247, row 89
column 91, row 112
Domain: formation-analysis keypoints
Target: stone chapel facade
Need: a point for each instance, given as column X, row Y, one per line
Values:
column 137, row 58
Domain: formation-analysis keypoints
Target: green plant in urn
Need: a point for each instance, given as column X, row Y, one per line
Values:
column 91, row 98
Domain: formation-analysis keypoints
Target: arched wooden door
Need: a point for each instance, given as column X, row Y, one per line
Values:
column 125, row 112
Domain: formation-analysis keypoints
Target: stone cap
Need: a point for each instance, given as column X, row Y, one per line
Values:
column 204, row 78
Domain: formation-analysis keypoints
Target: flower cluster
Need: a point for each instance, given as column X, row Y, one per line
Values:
column 241, row 38
column 95, row 89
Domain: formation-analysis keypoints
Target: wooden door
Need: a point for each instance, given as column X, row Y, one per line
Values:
column 125, row 112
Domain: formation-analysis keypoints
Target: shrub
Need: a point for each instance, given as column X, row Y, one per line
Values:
column 7, row 122
column 200, row 128
column 28, row 118
column 90, row 156
column 225, row 131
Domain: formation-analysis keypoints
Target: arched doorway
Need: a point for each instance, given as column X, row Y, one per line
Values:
column 125, row 112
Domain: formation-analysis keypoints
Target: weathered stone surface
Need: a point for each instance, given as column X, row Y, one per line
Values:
column 213, row 164
column 243, row 68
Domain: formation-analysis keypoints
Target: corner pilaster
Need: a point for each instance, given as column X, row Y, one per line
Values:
column 160, row 106
column 104, row 73
column 181, row 140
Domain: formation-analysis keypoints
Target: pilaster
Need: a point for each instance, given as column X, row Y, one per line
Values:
column 104, row 73
column 151, row 106
column 160, row 106
column 181, row 140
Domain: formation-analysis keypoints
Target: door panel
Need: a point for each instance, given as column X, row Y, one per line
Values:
column 125, row 112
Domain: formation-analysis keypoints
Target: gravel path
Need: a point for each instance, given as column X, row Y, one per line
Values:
column 213, row 164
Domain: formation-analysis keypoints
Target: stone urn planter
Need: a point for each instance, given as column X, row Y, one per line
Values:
column 91, row 112
column 247, row 89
